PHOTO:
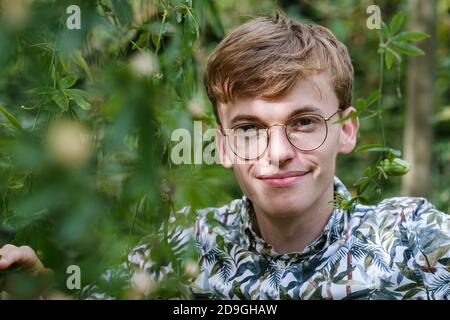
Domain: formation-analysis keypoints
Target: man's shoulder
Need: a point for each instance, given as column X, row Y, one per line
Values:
column 416, row 216
column 410, row 209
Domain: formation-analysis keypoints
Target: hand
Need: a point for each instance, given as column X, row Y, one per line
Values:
column 22, row 274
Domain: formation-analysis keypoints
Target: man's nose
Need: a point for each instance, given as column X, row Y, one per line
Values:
column 279, row 149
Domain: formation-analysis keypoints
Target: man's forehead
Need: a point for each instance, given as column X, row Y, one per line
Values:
column 312, row 94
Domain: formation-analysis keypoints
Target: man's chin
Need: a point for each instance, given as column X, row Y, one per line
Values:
column 285, row 212
column 285, row 205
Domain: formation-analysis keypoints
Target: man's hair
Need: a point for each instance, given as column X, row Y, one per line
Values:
column 266, row 58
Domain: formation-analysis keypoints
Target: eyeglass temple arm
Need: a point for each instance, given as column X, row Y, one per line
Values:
column 339, row 109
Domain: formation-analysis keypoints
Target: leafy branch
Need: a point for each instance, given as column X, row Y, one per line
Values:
column 393, row 45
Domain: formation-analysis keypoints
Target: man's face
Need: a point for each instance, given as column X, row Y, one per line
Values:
column 285, row 181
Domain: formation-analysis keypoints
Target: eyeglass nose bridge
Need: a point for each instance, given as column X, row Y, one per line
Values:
column 274, row 125
column 269, row 134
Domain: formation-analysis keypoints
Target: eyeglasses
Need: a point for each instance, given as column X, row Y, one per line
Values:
column 306, row 132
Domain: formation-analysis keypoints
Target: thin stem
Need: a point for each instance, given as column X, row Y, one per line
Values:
column 158, row 43
column 369, row 179
column 379, row 107
column 136, row 214
column 36, row 119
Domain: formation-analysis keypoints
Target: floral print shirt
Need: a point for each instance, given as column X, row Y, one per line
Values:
column 398, row 249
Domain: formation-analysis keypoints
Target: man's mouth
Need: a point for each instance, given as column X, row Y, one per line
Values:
column 282, row 179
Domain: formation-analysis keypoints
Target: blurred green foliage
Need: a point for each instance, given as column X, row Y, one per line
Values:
column 86, row 117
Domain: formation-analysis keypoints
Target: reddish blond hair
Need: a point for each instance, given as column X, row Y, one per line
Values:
column 266, row 58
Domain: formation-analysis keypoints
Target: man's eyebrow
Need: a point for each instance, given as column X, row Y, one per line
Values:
column 244, row 117
column 251, row 118
column 303, row 109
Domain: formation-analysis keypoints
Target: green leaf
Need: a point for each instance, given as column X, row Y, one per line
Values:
column 437, row 252
column 15, row 184
column 374, row 97
column 308, row 290
column 74, row 95
column 411, row 293
column 407, row 48
column 65, row 63
column 395, row 54
column 220, row 241
column 389, row 59
column 378, row 148
column 79, row 60
column 10, row 118
column 62, row 101
column 384, row 32
column 358, row 294
column 351, row 115
column 155, row 40
column 122, row 11
column 361, row 181
column 43, row 90
column 410, row 36
column 408, row 273
column 214, row 20
column 67, row 82
column 343, row 274
column 407, row 287
column 396, row 22
column 360, row 104
column 367, row 147
column 367, row 261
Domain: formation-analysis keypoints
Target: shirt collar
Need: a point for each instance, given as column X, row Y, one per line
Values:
column 333, row 230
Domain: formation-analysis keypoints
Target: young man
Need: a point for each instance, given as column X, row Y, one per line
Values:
column 278, row 89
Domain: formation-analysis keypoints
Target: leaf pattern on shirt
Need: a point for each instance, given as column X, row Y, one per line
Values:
column 398, row 249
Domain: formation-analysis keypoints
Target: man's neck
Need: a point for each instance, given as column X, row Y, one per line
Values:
column 295, row 233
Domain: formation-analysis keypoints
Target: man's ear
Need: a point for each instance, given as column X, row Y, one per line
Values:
column 221, row 147
column 349, row 131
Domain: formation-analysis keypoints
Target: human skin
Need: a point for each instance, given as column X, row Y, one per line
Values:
column 31, row 269
column 290, row 211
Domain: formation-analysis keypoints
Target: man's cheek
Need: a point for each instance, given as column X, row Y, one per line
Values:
column 242, row 177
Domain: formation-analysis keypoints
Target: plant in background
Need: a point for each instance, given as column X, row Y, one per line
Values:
column 393, row 45
column 85, row 122
column 85, row 116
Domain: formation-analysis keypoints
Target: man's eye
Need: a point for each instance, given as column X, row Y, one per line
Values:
column 248, row 128
column 304, row 121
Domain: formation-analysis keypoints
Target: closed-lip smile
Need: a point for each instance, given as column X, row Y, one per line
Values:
column 282, row 179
